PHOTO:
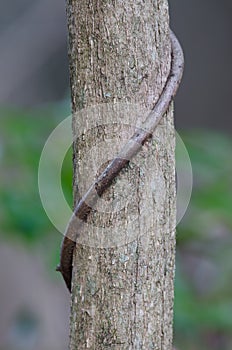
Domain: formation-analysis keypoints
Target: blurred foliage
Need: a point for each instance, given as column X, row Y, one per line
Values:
column 22, row 137
column 203, row 301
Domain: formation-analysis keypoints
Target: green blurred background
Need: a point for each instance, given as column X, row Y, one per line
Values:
column 34, row 98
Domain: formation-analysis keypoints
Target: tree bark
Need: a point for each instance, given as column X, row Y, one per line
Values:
column 123, row 268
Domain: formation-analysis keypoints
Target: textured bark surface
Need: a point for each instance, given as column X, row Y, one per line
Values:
column 122, row 294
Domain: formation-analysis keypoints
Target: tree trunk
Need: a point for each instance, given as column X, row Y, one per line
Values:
column 123, row 268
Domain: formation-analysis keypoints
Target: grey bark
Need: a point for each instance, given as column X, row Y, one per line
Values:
column 123, row 268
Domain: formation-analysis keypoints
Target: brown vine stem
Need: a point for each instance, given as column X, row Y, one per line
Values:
column 131, row 148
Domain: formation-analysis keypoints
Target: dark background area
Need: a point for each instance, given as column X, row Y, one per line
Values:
column 35, row 97
column 34, row 65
